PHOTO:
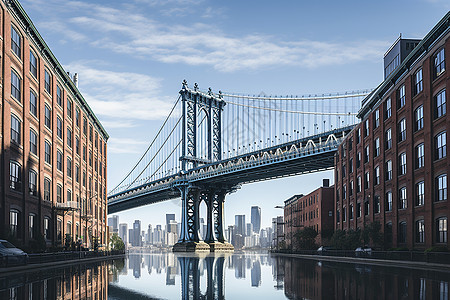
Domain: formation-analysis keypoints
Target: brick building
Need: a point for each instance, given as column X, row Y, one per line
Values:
column 312, row 210
column 53, row 148
column 393, row 167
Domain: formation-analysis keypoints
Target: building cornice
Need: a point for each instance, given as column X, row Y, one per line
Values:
column 19, row 13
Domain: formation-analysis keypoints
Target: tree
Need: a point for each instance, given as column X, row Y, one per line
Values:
column 372, row 235
column 116, row 242
column 306, row 238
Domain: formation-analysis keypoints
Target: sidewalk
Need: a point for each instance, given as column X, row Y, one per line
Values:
column 369, row 261
column 54, row 264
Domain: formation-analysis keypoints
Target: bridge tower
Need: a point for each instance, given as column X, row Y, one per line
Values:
column 201, row 145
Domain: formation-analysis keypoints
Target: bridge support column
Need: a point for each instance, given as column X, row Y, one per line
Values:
column 215, row 231
column 190, row 240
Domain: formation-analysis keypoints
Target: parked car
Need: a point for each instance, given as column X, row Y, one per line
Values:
column 323, row 250
column 10, row 255
column 363, row 252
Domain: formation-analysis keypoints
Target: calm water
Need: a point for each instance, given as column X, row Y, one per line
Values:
column 226, row 276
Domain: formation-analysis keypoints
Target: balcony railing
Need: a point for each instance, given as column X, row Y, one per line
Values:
column 68, row 205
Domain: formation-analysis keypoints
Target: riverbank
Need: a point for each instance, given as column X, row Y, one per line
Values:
column 60, row 259
column 370, row 261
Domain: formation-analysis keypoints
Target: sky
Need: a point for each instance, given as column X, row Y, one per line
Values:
column 132, row 56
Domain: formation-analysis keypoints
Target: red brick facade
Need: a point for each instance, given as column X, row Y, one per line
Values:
column 313, row 210
column 74, row 164
column 418, row 221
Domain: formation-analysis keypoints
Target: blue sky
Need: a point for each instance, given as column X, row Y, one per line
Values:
column 131, row 57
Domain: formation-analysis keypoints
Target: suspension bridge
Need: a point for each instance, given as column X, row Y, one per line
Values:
column 212, row 143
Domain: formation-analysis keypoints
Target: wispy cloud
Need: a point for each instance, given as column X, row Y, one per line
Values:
column 124, row 96
column 124, row 145
column 123, row 30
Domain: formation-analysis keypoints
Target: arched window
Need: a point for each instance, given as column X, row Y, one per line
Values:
column 15, row 175
column 32, row 182
column 15, row 129
column 16, row 42
column 47, row 228
column 14, row 222
column 33, row 103
column 33, row 141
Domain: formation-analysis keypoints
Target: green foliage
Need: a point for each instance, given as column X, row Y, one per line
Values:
column 37, row 245
column 116, row 242
column 305, row 239
column 437, row 249
column 338, row 239
column 346, row 240
column 371, row 234
column 68, row 241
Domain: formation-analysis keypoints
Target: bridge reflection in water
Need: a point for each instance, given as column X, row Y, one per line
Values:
column 194, row 276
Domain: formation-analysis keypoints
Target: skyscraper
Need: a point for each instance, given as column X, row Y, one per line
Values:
column 240, row 224
column 113, row 222
column 169, row 217
column 137, row 240
column 123, row 228
column 256, row 218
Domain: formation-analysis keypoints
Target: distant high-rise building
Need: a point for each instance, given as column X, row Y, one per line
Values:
column 169, row 217
column 137, row 239
column 123, row 228
column 113, row 222
column 130, row 236
column 240, row 224
column 248, row 229
column 149, row 234
column 256, row 218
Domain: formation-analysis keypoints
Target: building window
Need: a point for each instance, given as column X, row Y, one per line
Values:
column 14, row 223
column 344, row 192
column 377, row 147
column 59, row 128
column 388, row 170
column 440, row 104
column 401, row 99
column 15, row 176
column 377, row 175
column 441, row 230
column 32, row 226
column 418, row 83
column 15, row 129
column 388, row 201
column 376, row 204
column 59, row 198
column 388, row 108
column 439, row 63
column 350, row 144
column 343, row 170
column 84, row 152
column 84, row 126
column 420, row 158
column 351, row 188
column 358, row 160
column 420, row 231
column 48, row 153
column 69, row 108
column 84, row 179
column 388, row 139
column 366, row 127
column 77, row 173
column 358, row 136
column 32, row 182
column 402, row 232
column 440, row 142
column 366, row 208
column 402, row 200
column 69, row 167
column 33, row 103
column 69, row 197
column 350, row 165
column 33, row 64
column 46, row 228
column 101, row 147
column 69, row 137
column 359, row 184
column 376, row 121
column 33, row 142
column 77, row 117
column 358, row 210
column 366, row 180
column 77, row 145
column 47, row 83
column 59, row 95
column 420, row 193
column 59, row 162
column 402, row 130
column 96, row 140
column 344, row 214
column 350, row 212
column 418, row 116
column 16, row 86
column 402, row 164
column 90, row 133
column 47, row 189
column 90, row 158
column 366, row 154
column 441, row 187
column 16, row 45
column 48, row 117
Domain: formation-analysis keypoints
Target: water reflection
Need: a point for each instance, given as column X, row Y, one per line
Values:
column 88, row 281
column 224, row 276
